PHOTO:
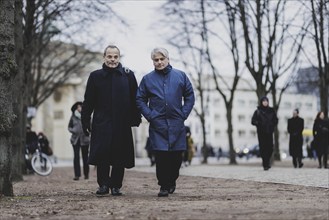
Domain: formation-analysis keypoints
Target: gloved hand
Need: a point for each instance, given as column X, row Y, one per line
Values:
column 87, row 130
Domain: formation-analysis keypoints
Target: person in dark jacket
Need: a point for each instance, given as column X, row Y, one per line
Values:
column 159, row 98
column 79, row 140
column 321, row 138
column 295, row 130
column 265, row 119
column 111, row 96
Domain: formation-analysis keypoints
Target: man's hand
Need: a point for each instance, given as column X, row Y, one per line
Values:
column 87, row 131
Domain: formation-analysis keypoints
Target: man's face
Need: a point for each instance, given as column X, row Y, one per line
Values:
column 265, row 103
column 160, row 62
column 294, row 114
column 112, row 57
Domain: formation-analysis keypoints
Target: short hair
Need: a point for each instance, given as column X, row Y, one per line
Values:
column 111, row 46
column 160, row 50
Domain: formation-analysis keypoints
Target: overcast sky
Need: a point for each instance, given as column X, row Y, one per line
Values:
column 137, row 41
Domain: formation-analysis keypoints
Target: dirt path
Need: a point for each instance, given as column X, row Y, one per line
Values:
column 59, row 197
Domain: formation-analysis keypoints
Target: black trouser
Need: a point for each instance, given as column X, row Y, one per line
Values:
column 168, row 164
column 76, row 159
column 266, row 148
column 296, row 161
column 112, row 181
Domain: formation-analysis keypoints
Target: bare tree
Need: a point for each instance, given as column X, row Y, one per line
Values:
column 222, row 84
column 48, row 63
column 187, row 39
column 271, row 50
column 19, row 130
column 320, row 35
column 8, row 69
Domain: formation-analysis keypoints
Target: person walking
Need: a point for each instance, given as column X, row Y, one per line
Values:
column 321, row 138
column 159, row 98
column 111, row 96
column 79, row 141
column 295, row 130
column 265, row 119
column 149, row 150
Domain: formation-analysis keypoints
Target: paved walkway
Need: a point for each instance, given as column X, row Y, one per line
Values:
column 287, row 175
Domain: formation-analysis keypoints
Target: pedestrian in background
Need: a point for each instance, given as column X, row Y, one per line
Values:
column 295, row 130
column 190, row 146
column 149, row 150
column 321, row 138
column 111, row 97
column 79, row 141
column 159, row 98
column 265, row 119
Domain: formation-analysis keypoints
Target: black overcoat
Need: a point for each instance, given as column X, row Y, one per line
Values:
column 321, row 136
column 110, row 96
column 295, row 130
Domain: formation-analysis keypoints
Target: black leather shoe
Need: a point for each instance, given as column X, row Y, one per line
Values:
column 172, row 189
column 116, row 192
column 163, row 193
column 76, row 178
column 301, row 165
column 103, row 190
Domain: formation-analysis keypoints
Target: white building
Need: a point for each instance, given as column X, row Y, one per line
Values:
column 244, row 105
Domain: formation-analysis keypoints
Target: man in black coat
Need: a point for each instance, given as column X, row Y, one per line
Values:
column 265, row 119
column 295, row 130
column 110, row 96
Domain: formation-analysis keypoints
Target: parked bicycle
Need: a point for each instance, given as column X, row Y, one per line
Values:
column 37, row 161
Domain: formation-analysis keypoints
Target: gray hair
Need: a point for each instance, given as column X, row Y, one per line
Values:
column 160, row 50
column 111, row 46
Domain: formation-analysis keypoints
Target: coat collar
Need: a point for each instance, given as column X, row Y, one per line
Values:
column 107, row 70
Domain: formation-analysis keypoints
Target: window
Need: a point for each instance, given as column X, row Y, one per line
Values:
column 217, row 117
column 241, row 103
column 58, row 114
column 253, row 103
column 308, row 105
column 216, row 101
column 298, row 105
column 287, row 105
column 242, row 133
column 253, row 133
column 241, row 118
column 217, row 132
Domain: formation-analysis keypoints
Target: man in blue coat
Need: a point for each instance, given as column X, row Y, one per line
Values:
column 111, row 97
column 165, row 98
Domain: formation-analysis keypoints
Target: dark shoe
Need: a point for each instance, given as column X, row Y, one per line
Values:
column 116, row 192
column 172, row 189
column 301, row 165
column 76, row 178
column 163, row 193
column 266, row 168
column 103, row 190
column 86, row 177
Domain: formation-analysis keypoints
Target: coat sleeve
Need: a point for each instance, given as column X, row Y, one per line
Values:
column 135, row 113
column 255, row 118
column 88, row 104
column 142, row 100
column 189, row 98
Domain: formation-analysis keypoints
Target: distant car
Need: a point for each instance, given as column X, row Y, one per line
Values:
column 248, row 152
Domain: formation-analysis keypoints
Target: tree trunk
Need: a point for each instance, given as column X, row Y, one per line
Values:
column 18, row 139
column 230, row 134
column 8, row 70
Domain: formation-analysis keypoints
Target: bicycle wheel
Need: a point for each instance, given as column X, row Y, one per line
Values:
column 41, row 164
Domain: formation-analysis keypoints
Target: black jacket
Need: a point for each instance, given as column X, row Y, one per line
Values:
column 110, row 96
column 265, row 119
column 295, row 130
